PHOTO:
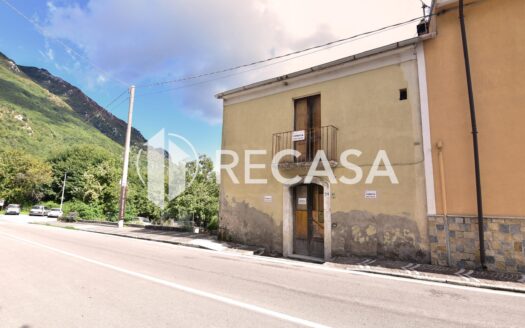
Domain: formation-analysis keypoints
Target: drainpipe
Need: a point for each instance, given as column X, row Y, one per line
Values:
column 474, row 136
column 439, row 146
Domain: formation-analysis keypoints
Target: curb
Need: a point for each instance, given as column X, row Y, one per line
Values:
column 423, row 277
column 178, row 243
column 132, row 225
column 355, row 268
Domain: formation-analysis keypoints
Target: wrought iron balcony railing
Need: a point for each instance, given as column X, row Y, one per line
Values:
column 306, row 142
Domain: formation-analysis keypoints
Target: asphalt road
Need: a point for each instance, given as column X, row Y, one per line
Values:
column 52, row 277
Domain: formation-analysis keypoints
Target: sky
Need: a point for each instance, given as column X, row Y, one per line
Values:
column 103, row 46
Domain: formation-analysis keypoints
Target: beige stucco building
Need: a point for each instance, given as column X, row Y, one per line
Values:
column 496, row 41
column 368, row 104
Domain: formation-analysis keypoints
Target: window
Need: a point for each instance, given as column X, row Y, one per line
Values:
column 403, row 94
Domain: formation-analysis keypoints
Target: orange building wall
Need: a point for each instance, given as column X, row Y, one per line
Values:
column 496, row 36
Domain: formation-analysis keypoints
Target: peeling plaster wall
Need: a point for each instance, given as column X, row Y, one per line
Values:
column 387, row 236
column 245, row 224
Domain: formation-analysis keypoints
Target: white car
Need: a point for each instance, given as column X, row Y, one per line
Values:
column 55, row 213
column 38, row 210
column 13, row 209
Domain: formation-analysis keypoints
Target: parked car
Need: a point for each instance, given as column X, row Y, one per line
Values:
column 38, row 210
column 13, row 209
column 55, row 213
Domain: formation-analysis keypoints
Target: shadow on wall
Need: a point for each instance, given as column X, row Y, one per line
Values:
column 360, row 233
column 242, row 223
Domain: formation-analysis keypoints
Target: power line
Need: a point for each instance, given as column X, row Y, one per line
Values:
column 97, row 113
column 295, row 54
column 332, row 43
column 68, row 48
column 115, row 99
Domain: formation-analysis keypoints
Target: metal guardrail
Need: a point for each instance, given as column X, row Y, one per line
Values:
column 323, row 138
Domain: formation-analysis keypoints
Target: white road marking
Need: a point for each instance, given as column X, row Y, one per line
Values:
column 468, row 274
column 413, row 269
column 407, row 266
column 306, row 265
column 189, row 290
column 460, row 274
column 365, row 264
column 410, row 268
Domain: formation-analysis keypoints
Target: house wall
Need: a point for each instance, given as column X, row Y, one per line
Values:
column 504, row 246
column 497, row 48
column 366, row 109
column 496, row 41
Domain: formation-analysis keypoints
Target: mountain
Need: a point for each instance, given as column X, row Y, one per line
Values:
column 104, row 121
column 42, row 114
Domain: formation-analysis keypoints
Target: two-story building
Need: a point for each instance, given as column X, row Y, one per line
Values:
column 367, row 196
column 395, row 127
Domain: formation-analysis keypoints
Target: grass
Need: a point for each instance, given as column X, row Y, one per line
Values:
column 38, row 122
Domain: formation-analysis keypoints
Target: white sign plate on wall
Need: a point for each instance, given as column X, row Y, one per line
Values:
column 370, row 194
column 298, row 135
column 268, row 199
column 301, row 201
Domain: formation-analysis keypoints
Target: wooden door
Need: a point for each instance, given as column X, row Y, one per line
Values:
column 309, row 220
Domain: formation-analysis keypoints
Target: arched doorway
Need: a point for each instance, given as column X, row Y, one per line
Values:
column 308, row 220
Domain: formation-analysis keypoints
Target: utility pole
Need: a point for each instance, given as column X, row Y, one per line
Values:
column 63, row 190
column 124, row 180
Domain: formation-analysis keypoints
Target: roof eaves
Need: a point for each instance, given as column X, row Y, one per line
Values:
column 340, row 61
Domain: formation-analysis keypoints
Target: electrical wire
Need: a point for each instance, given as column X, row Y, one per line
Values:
column 298, row 54
column 286, row 56
column 115, row 99
column 332, row 44
column 96, row 114
column 68, row 48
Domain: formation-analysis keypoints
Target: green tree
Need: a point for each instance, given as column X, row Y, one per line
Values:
column 23, row 178
column 77, row 161
column 201, row 197
column 100, row 185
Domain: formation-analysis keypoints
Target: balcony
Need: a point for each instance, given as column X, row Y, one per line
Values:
column 307, row 142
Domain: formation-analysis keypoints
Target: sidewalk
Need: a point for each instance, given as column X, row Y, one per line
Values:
column 507, row 281
column 182, row 238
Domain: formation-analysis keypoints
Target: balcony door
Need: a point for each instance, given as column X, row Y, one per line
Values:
column 307, row 118
column 308, row 220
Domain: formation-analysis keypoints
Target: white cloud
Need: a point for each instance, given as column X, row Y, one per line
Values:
column 101, row 79
column 48, row 54
column 161, row 39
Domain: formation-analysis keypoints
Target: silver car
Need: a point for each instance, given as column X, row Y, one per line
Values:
column 13, row 209
column 38, row 210
column 54, row 213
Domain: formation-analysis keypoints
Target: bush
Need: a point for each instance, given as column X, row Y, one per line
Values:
column 51, row 204
column 85, row 211
column 213, row 224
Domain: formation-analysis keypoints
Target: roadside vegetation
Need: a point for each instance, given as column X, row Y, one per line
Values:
column 43, row 138
column 92, row 186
